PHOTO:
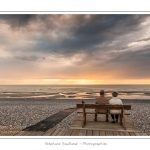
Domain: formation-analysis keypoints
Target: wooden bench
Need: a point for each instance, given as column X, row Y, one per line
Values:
column 86, row 107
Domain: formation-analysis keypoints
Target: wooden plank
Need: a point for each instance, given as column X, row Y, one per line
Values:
column 4, row 133
column 95, row 133
column 20, row 133
column 16, row 131
column 109, row 133
column 115, row 133
column 56, row 132
column 121, row 133
column 75, row 132
column 9, row 134
column 127, row 113
column 7, row 131
column 34, row 133
column 61, row 132
column 126, row 133
column 93, row 112
column 95, row 106
column 137, row 134
column 140, row 134
column 82, row 133
column 103, row 126
column 12, row 133
column 68, row 132
column 132, row 133
column 28, row 133
column 6, row 128
column 37, row 133
column 49, row 132
column 102, row 133
column 89, row 133
column 40, row 133
column 143, row 134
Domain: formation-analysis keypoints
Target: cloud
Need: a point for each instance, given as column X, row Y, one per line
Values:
column 16, row 20
column 145, row 39
column 29, row 58
column 67, row 46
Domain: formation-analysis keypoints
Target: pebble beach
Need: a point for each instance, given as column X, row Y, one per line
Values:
column 23, row 112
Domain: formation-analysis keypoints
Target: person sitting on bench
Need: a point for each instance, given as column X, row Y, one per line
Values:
column 103, row 101
column 113, row 101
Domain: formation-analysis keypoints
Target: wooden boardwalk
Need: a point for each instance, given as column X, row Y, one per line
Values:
column 102, row 125
column 67, row 132
column 99, row 128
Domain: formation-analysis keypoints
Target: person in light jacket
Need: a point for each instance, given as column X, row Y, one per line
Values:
column 115, row 100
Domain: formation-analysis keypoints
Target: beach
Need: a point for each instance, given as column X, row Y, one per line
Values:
column 24, row 112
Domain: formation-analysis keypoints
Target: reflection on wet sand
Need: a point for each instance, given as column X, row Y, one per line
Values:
column 75, row 95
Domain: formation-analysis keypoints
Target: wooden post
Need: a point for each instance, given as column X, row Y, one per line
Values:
column 121, row 115
column 84, row 115
column 124, row 120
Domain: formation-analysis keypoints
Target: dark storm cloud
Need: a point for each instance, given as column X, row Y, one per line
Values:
column 16, row 20
column 132, row 64
column 86, row 33
column 97, row 30
column 146, row 39
column 27, row 58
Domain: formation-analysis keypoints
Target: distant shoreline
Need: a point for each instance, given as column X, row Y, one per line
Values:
column 61, row 99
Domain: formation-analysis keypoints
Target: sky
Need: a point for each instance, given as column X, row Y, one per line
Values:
column 74, row 49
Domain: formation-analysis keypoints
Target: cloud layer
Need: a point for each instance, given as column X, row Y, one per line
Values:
column 91, row 47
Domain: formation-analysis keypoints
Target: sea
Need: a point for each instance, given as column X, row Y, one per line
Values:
column 74, row 91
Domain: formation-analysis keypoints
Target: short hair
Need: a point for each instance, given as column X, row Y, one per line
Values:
column 101, row 92
column 114, row 94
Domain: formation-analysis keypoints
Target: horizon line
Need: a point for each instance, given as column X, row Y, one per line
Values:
column 69, row 84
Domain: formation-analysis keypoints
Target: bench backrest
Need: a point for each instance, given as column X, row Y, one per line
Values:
column 96, row 106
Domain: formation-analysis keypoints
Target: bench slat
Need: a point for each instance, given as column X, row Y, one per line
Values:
column 95, row 106
column 93, row 112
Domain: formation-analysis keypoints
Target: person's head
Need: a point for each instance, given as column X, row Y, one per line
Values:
column 114, row 94
column 102, row 92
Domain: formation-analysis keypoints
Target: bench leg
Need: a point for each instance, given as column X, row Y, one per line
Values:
column 120, row 119
column 95, row 117
column 83, row 124
column 107, row 118
column 124, row 121
column 84, row 116
column 84, row 120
